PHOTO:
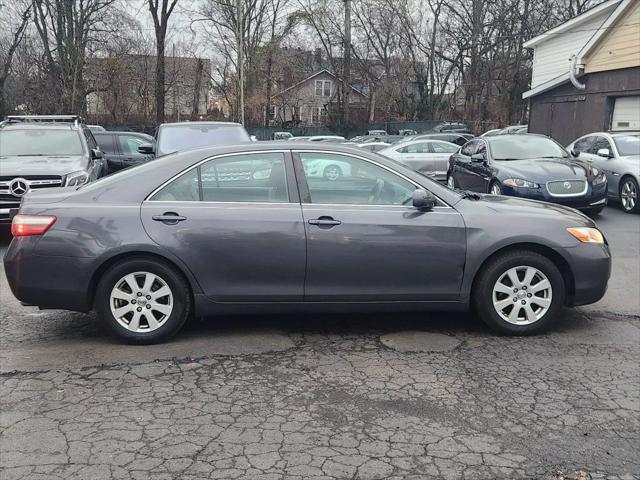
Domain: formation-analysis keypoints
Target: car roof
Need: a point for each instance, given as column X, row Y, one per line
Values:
column 172, row 124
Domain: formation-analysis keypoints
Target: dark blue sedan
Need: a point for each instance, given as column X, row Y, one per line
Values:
column 528, row 166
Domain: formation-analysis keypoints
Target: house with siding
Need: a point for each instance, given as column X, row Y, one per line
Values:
column 586, row 73
column 312, row 101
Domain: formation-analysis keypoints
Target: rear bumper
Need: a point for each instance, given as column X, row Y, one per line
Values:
column 591, row 268
column 47, row 281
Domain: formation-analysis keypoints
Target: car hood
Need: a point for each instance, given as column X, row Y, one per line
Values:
column 519, row 206
column 543, row 170
column 41, row 165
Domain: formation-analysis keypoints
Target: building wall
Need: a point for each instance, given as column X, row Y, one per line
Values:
column 551, row 57
column 566, row 113
column 620, row 46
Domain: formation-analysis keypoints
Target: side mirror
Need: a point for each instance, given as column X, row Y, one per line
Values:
column 423, row 200
column 254, row 138
column 478, row 157
column 146, row 148
column 604, row 152
column 575, row 152
column 96, row 153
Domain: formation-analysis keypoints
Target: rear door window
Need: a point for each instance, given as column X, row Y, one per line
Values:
column 106, row 144
column 129, row 144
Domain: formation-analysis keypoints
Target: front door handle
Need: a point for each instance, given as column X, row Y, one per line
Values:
column 169, row 218
column 325, row 222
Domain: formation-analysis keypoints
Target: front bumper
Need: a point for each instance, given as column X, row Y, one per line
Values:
column 594, row 198
column 591, row 268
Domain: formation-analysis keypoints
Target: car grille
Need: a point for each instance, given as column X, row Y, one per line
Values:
column 567, row 188
column 34, row 182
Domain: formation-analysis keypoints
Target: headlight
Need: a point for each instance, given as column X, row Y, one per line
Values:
column 76, row 179
column 519, row 182
column 586, row 234
column 600, row 178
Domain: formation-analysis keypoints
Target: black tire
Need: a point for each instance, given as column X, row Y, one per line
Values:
column 181, row 292
column 633, row 185
column 495, row 184
column 482, row 295
column 330, row 168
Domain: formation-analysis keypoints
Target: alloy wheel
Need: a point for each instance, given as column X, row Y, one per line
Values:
column 332, row 172
column 141, row 302
column 628, row 195
column 495, row 189
column 522, row 295
column 451, row 183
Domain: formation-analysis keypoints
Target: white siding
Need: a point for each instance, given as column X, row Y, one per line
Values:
column 551, row 57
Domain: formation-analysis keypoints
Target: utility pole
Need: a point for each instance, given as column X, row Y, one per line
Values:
column 240, row 61
column 346, row 66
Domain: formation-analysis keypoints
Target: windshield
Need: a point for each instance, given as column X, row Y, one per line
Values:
column 39, row 142
column 525, row 147
column 173, row 138
column 627, row 144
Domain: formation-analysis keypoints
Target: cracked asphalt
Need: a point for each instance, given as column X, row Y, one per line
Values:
column 394, row 396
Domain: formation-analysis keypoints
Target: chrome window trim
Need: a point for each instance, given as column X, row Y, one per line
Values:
column 446, row 205
column 586, row 187
column 196, row 165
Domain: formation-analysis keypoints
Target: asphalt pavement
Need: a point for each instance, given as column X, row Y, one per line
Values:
column 398, row 396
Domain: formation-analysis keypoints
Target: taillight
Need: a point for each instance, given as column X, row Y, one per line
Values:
column 25, row 225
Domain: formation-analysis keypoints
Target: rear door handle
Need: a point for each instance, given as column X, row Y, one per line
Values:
column 169, row 218
column 325, row 222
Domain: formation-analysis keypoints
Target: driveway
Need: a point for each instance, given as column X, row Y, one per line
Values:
column 401, row 396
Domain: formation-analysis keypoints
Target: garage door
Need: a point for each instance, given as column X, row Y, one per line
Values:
column 626, row 114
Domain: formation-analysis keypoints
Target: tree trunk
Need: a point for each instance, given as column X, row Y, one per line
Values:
column 160, row 77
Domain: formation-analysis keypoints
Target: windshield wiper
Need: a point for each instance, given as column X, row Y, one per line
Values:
column 468, row 194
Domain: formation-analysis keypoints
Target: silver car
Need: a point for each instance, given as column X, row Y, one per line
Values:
column 618, row 155
column 429, row 157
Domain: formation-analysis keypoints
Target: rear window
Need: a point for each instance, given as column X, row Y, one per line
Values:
column 40, row 142
column 173, row 138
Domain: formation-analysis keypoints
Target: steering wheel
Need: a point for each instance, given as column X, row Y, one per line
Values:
column 375, row 192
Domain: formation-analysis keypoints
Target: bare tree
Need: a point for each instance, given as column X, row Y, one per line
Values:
column 7, row 56
column 160, row 10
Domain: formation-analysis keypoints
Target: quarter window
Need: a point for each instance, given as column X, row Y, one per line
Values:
column 340, row 179
column 469, row 148
column 239, row 178
column 583, row 144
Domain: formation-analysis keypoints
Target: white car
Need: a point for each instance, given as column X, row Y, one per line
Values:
column 326, row 138
column 429, row 157
column 373, row 146
column 617, row 154
column 326, row 168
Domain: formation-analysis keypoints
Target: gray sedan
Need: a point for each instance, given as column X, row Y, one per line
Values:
column 618, row 156
column 246, row 229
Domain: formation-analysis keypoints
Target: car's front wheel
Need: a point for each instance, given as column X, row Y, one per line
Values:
column 629, row 195
column 451, row 182
column 495, row 189
column 143, row 300
column 519, row 292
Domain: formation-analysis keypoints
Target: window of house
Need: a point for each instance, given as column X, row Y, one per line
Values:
column 318, row 115
column 323, row 88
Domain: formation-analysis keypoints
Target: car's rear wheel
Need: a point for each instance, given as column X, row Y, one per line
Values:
column 519, row 293
column 332, row 172
column 143, row 300
column 451, row 182
column 629, row 193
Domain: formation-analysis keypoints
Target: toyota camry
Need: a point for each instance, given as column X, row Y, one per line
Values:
column 248, row 229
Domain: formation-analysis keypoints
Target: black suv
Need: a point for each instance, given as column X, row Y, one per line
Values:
column 43, row 151
column 120, row 149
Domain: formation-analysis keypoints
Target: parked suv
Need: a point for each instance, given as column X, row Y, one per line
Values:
column 120, row 149
column 175, row 137
column 445, row 127
column 43, row 151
